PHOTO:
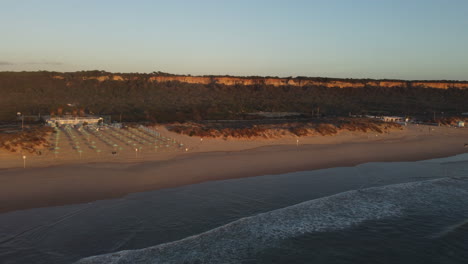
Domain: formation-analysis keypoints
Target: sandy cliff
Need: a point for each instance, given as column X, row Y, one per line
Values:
column 330, row 83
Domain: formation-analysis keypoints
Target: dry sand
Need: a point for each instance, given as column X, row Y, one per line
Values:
column 49, row 182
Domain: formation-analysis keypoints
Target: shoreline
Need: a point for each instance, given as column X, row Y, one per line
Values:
column 70, row 183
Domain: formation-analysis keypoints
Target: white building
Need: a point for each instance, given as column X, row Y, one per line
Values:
column 72, row 120
column 396, row 119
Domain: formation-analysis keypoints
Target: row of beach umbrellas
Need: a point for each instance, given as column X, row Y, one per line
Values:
column 115, row 138
column 75, row 143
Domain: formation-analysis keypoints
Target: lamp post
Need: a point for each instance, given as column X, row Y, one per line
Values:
column 22, row 120
column 24, row 162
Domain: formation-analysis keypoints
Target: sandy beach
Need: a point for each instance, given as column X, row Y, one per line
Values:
column 47, row 181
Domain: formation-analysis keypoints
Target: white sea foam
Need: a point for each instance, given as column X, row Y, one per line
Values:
column 240, row 239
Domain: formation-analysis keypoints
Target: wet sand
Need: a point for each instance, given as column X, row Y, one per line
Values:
column 77, row 181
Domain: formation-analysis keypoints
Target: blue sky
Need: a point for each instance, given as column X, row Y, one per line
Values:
column 350, row 39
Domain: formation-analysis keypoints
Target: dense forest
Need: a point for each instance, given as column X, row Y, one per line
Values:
column 137, row 99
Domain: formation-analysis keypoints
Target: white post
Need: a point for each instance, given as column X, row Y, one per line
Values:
column 24, row 162
column 22, row 120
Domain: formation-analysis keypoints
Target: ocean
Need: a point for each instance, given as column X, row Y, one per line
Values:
column 399, row 212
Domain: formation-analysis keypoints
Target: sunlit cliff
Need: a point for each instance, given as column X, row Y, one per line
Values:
column 274, row 81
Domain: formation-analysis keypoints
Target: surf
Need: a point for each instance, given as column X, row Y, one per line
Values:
column 241, row 239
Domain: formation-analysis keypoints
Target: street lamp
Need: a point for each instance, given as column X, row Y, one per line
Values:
column 22, row 120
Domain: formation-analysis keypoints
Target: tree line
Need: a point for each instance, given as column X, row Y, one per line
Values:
column 137, row 99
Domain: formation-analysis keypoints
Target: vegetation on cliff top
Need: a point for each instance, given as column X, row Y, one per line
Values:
column 136, row 99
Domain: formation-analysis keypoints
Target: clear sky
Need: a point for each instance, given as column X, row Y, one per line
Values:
column 399, row 39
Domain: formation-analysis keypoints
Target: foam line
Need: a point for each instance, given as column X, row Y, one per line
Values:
column 240, row 239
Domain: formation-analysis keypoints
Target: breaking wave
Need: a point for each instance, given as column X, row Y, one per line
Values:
column 241, row 239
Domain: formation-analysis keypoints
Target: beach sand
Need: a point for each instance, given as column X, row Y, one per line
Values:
column 50, row 181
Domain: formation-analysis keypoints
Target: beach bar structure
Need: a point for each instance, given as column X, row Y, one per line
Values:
column 72, row 120
column 397, row 119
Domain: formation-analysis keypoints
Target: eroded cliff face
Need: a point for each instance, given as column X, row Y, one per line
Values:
column 306, row 82
column 330, row 83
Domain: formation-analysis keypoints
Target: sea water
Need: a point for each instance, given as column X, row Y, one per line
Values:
column 404, row 212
